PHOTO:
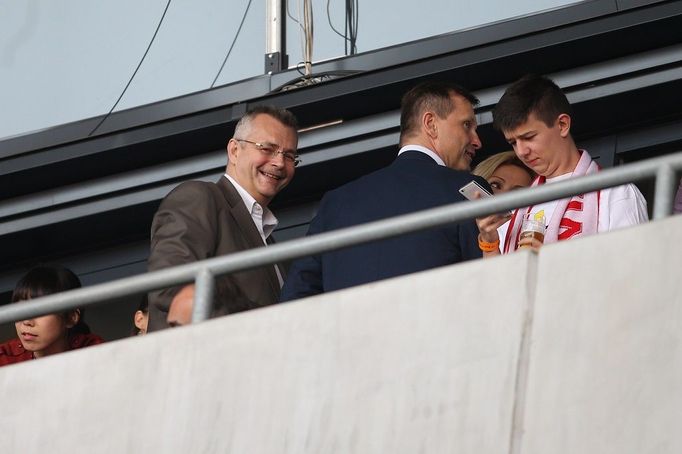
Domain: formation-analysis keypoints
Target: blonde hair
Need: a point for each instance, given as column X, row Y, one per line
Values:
column 487, row 167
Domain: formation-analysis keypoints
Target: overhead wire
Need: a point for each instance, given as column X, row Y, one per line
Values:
column 151, row 41
column 305, row 23
column 352, row 17
column 329, row 19
column 292, row 17
column 350, row 23
column 236, row 35
column 345, row 28
column 357, row 25
column 309, row 35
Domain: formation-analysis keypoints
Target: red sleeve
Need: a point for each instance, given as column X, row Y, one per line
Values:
column 13, row 352
column 84, row 340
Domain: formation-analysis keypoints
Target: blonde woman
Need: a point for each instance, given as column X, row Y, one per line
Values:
column 505, row 172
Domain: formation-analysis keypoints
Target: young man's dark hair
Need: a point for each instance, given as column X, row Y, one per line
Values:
column 530, row 94
column 429, row 96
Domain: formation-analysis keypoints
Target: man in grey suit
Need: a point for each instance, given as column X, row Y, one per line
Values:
column 199, row 220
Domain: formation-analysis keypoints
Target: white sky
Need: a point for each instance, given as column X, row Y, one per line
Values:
column 66, row 61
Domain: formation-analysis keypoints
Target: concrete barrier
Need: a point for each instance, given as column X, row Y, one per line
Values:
column 606, row 359
column 426, row 363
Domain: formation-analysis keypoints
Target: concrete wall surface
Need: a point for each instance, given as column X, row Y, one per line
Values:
column 427, row 363
column 577, row 349
column 606, row 359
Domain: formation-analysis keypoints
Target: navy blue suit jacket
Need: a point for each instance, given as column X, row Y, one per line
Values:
column 413, row 182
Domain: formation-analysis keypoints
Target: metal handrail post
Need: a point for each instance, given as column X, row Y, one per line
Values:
column 203, row 295
column 663, row 196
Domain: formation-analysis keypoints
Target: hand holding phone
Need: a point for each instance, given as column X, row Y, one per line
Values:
column 470, row 189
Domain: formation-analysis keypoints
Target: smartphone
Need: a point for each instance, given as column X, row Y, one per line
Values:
column 469, row 189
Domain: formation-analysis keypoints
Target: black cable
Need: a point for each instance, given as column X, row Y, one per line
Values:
column 352, row 25
column 357, row 21
column 314, row 79
column 233, row 42
column 329, row 19
column 345, row 30
column 292, row 17
column 298, row 67
column 352, row 16
column 135, row 72
column 349, row 11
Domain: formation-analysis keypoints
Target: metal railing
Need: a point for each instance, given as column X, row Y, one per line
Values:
column 202, row 273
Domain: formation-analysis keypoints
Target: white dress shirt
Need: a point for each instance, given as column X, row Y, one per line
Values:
column 264, row 220
column 432, row 154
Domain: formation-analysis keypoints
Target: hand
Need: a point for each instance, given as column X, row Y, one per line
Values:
column 488, row 226
column 530, row 242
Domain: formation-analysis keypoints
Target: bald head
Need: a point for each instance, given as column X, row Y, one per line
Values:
column 180, row 312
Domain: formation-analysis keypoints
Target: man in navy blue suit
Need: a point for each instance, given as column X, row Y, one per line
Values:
column 438, row 141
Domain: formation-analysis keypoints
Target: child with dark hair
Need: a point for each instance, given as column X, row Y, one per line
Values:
column 47, row 334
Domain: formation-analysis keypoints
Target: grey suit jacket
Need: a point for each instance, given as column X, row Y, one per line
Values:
column 199, row 220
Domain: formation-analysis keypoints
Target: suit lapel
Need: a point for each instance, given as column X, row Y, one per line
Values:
column 242, row 218
column 240, row 215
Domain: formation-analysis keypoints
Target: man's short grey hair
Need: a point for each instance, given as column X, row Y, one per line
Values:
column 282, row 115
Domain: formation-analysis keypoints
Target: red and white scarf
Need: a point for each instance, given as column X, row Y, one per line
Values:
column 572, row 217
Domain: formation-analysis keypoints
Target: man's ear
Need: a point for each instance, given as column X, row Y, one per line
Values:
column 73, row 318
column 564, row 122
column 429, row 124
column 232, row 150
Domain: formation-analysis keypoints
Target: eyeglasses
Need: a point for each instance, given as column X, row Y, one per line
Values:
column 271, row 150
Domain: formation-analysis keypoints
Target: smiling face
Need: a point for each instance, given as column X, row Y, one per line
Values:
column 455, row 138
column 260, row 175
column 547, row 150
column 508, row 177
column 45, row 335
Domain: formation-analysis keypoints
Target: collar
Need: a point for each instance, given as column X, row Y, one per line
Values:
column 430, row 153
column 264, row 219
column 565, row 176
